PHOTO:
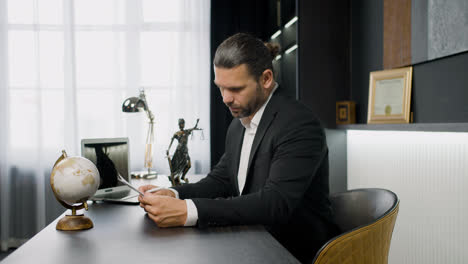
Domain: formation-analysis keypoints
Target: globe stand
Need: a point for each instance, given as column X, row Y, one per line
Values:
column 74, row 222
column 71, row 222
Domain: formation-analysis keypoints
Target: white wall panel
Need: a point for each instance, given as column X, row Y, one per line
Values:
column 429, row 173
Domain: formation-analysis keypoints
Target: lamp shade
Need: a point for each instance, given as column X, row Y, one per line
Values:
column 133, row 104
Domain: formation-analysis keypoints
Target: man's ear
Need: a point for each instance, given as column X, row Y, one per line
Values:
column 267, row 79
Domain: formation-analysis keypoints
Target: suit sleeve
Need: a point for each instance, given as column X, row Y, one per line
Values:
column 297, row 155
column 215, row 184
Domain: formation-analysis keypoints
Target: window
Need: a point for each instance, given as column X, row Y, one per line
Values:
column 72, row 63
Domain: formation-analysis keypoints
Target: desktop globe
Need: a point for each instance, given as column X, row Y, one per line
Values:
column 73, row 181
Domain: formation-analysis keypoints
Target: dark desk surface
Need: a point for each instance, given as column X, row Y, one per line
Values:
column 124, row 234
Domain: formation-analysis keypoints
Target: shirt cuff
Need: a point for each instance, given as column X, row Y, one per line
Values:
column 192, row 213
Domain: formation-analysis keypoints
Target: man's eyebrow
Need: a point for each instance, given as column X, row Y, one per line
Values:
column 235, row 87
column 232, row 87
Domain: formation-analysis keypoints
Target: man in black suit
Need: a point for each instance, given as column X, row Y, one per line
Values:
column 274, row 170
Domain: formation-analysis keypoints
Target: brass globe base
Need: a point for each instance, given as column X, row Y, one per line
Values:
column 74, row 222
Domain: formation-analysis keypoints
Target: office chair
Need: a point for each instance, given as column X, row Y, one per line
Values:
column 366, row 218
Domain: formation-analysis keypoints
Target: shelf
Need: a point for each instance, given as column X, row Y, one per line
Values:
column 425, row 127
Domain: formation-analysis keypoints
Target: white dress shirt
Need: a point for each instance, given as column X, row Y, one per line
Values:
column 249, row 135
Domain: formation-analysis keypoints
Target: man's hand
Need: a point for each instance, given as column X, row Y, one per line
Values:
column 164, row 192
column 165, row 211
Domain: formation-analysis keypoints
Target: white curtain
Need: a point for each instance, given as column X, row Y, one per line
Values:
column 66, row 67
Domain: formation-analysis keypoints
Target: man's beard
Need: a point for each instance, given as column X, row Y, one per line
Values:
column 252, row 106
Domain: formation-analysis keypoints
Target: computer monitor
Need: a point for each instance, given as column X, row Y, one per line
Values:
column 110, row 155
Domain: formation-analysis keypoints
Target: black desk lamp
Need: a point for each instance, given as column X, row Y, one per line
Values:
column 139, row 104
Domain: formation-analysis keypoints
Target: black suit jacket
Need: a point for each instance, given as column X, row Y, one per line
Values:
column 286, row 188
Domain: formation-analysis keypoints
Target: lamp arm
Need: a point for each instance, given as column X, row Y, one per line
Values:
column 149, row 146
column 145, row 106
column 149, row 114
column 150, row 135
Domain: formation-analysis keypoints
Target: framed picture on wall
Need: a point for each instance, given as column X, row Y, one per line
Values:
column 390, row 96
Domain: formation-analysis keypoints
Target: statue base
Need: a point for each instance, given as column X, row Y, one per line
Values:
column 74, row 222
column 144, row 175
column 177, row 181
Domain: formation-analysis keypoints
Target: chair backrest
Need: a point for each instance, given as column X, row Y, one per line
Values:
column 366, row 218
column 360, row 207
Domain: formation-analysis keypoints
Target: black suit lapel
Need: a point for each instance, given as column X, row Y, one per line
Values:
column 267, row 117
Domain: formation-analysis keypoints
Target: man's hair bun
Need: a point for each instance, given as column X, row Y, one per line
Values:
column 274, row 49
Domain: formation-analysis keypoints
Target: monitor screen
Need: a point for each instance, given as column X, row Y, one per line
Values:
column 110, row 156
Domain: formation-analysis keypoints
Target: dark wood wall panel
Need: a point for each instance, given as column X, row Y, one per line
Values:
column 323, row 61
column 397, row 33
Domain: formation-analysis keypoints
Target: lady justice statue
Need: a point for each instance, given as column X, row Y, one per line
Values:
column 180, row 163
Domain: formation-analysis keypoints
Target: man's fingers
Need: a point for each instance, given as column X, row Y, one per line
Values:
column 163, row 210
column 158, row 219
column 165, row 192
column 160, row 222
column 153, row 210
column 150, row 198
column 155, row 218
column 142, row 200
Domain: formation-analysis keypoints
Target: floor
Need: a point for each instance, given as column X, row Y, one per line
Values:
column 4, row 254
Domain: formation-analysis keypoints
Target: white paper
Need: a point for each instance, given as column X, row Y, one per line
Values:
column 388, row 98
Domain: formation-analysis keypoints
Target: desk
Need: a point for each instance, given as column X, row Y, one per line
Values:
column 124, row 234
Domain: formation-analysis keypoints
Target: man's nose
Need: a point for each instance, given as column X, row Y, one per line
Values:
column 227, row 97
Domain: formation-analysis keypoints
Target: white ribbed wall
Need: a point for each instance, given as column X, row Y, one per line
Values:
column 429, row 173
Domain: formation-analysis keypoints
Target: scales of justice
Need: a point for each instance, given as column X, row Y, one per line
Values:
column 180, row 163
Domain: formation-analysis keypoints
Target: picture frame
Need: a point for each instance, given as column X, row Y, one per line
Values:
column 345, row 112
column 390, row 96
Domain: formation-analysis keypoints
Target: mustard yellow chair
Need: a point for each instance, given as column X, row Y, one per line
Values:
column 366, row 218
